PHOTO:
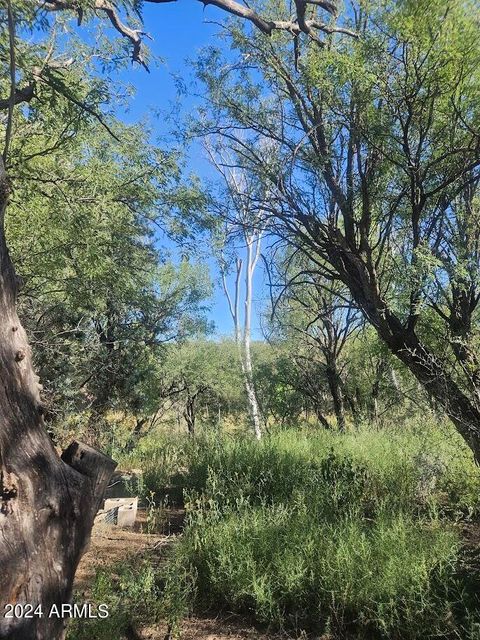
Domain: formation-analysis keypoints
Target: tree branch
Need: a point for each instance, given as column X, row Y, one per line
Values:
column 265, row 25
column 11, row 100
column 20, row 95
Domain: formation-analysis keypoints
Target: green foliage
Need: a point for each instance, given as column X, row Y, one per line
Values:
column 203, row 378
column 396, row 156
column 207, row 363
column 132, row 595
column 87, row 220
column 341, row 533
column 360, row 473
column 289, row 568
column 281, row 389
column 160, row 456
column 94, row 205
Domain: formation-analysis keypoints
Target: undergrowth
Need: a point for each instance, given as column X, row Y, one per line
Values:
column 350, row 535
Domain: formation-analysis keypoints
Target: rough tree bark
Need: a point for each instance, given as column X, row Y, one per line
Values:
column 334, row 384
column 47, row 504
column 404, row 343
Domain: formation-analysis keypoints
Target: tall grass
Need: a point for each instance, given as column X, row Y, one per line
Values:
column 355, row 534
column 399, row 468
column 132, row 593
column 384, row 579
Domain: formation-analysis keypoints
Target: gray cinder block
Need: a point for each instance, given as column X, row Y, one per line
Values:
column 124, row 511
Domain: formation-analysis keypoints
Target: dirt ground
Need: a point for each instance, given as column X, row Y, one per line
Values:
column 110, row 545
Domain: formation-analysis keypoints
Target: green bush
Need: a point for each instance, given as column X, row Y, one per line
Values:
column 132, row 593
column 366, row 472
column 351, row 534
column 162, row 459
column 386, row 578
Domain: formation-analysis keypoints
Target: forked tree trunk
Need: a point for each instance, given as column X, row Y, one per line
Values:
column 47, row 504
column 244, row 343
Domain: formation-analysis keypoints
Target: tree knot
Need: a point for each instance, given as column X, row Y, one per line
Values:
column 7, row 493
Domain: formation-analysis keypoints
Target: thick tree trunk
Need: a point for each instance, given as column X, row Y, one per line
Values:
column 136, row 434
column 403, row 342
column 47, row 505
column 440, row 386
column 322, row 420
column 334, row 384
column 190, row 415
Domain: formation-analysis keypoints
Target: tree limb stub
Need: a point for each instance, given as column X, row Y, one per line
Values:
column 91, row 463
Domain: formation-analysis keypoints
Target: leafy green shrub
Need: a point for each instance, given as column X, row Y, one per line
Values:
column 411, row 469
column 405, row 471
column 342, row 533
column 132, row 593
column 162, row 458
column 386, row 578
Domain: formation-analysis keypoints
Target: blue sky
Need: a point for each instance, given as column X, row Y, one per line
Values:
column 179, row 30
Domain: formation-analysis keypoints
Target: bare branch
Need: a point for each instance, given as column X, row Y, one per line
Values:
column 134, row 35
column 295, row 26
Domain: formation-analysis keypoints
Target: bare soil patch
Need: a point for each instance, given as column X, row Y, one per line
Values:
column 111, row 545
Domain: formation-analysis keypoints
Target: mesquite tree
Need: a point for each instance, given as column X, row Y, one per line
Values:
column 48, row 503
column 378, row 173
column 380, row 111
column 319, row 318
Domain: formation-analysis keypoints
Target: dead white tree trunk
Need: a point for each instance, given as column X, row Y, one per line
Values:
column 253, row 251
column 243, row 338
column 246, row 223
